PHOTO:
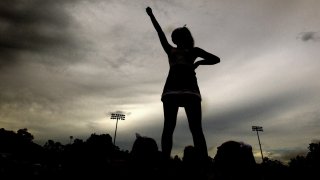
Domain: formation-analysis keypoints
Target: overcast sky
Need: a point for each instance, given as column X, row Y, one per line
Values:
column 65, row 65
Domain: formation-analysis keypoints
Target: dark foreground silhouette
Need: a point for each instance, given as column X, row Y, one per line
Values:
column 97, row 157
column 181, row 87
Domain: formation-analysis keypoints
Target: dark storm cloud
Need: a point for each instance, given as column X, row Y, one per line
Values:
column 33, row 26
column 309, row 36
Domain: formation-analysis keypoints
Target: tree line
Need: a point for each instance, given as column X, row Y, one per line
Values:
column 98, row 157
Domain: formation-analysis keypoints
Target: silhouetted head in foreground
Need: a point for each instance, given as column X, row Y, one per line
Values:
column 182, row 37
column 234, row 160
column 144, row 150
column 189, row 155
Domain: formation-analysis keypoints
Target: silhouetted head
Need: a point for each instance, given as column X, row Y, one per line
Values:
column 144, row 150
column 189, row 154
column 182, row 37
column 235, row 160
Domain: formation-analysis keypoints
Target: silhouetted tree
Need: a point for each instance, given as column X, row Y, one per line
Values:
column 21, row 153
column 313, row 156
column 54, row 152
column 306, row 167
column 97, row 157
column 299, row 162
column 273, row 169
column 91, row 157
column 8, row 141
column 71, row 138
column 298, row 167
column 25, row 135
column 50, row 145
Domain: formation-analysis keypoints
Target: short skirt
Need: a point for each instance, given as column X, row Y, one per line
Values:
column 180, row 100
column 181, row 86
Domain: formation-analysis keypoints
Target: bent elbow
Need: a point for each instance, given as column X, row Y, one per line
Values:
column 218, row 60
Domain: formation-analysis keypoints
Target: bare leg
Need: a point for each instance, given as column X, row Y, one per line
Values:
column 193, row 111
column 170, row 119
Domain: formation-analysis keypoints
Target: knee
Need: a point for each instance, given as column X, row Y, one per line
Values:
column 196, row 129
column 168, row 128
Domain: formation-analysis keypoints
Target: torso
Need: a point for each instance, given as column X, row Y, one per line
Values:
column 181, row 57
column 181, row 80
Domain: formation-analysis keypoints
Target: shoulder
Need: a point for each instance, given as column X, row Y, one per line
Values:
column 200, row 52
column 197, row 50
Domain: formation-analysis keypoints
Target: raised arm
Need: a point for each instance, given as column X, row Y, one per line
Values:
column 208, row 58
column 163, row 40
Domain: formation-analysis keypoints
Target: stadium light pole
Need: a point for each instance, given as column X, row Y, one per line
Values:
column 117, row 116
column 257, row 129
